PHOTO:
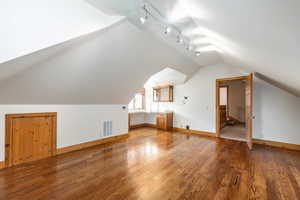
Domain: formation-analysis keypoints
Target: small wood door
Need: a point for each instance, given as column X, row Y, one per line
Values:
column 249, row 109
column 164, row 121
column 161, row 121
column 30, row 137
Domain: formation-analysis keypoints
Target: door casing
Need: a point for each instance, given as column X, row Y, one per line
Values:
column 249, row 105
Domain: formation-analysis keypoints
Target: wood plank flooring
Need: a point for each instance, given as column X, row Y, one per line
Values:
column 157, row 165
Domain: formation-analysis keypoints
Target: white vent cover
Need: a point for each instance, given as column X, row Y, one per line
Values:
column 107, row 128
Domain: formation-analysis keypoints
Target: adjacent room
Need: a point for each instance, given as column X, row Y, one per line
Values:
column 232, row 109
column 149, row 100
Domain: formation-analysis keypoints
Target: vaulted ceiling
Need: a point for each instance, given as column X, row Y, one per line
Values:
column 29, row 26
column 260, row 36
column 83, row 51
column 68, row 52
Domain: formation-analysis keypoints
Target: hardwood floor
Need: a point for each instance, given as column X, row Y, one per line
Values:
column 159, row 165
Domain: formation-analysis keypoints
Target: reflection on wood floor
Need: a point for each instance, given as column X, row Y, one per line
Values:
column 159, row 165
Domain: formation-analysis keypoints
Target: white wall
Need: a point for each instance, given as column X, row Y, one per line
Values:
column 150, row 118
column 223, row 96
column 137, row 118
column 236, row 98
column 75, row 123
column 199, row 109
column 277, row 112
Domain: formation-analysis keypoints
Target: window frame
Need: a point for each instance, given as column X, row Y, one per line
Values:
column 133, row 100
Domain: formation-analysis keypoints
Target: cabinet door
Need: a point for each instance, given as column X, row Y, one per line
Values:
column 42, row 138
column 31, row 139
column 23, row 137
column 161, row 122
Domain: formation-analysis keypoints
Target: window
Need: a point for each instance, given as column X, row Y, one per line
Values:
column 137, row 103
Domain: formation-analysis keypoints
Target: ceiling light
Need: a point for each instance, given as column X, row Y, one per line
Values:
column 168, row 30
column 197, row 53
column 189, row 47
column 179, row 39
column 144, row 19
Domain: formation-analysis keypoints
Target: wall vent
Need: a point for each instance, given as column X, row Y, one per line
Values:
column 107, row 128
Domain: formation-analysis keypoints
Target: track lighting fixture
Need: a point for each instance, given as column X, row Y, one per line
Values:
column 148, row 8
column 189, row 48
column 145, row 18
column 179, row 39
column 168, row 30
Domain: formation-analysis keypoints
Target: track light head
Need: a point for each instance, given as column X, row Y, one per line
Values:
column 189, row 48
column 179, row 39
column 144, row 19
column 168, row 30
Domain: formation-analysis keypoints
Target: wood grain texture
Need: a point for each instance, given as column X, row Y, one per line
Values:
column 203, row 133
column 277, row 144
column 2, row 164
column 29, row 137
column 249, row 109
column 142, row 125
column 164, row 121
column 137, row 126
column 232, row 78
column 80, row 146
column 157, row 93
column 153, row 165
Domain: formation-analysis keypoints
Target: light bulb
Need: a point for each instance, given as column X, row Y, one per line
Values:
column 179, row 39
column 168, row 30
column 143, row 19
column 189, row 48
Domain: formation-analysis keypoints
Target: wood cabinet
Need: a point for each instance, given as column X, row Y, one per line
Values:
column 164, row 121
column 163, row 93
column 29, row 137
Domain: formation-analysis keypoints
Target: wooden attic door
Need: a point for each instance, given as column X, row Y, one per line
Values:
column 29, row 137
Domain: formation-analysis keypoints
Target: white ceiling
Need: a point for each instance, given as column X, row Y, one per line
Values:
column 31, row 25
column 105, row 67
column 260, row 36
column 167, row 76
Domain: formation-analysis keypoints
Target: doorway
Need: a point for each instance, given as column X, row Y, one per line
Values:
column 234, row 108
column 29, row 137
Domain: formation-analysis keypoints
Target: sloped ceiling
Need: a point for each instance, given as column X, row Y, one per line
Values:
column 260, row 36
column 167, row 76
column 42, row 63
column 105, row 67
column 31, row 25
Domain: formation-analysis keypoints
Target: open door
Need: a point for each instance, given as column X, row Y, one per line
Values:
column 218, row 125
column 249, row 107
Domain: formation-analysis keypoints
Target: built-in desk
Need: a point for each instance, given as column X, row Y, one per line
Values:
column 160, row 120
